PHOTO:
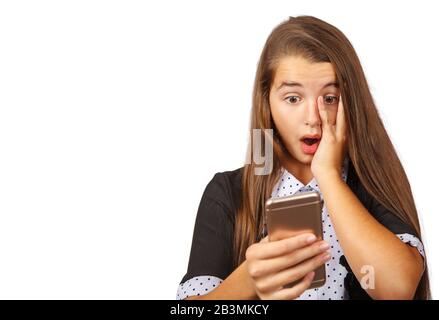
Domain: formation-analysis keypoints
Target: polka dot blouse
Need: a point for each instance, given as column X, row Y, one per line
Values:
column 334, row 288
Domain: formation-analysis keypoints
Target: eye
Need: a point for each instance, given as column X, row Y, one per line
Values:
column 330, row 99
column 292, row 99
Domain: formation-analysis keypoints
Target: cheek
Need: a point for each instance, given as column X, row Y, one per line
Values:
column 286, row 122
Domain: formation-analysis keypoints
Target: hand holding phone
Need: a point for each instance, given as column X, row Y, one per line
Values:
column 294, row 215
column 272, row 265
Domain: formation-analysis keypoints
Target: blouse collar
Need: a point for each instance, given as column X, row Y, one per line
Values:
column 287, row 179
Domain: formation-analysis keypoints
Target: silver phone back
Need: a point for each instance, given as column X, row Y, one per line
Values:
column 293, row 215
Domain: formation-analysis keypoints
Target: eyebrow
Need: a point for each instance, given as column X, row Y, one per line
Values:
column 297, row 84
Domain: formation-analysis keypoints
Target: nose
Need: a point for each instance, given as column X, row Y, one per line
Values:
column 312, row 116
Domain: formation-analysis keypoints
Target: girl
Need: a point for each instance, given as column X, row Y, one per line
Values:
column 328, row 137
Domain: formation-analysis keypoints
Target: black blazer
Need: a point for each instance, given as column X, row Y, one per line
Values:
column 212, row 242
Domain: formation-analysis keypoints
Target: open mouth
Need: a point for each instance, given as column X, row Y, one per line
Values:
column 310, row 144
column 310, row 141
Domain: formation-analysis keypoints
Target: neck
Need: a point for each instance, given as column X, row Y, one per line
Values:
column 301, row 171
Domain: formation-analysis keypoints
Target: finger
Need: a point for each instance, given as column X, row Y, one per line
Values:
column 277, row 264
column 279, row 279
column 323, row 112
column 276, row 248
column 341, row 121
column 264, row 240
column 295, row 291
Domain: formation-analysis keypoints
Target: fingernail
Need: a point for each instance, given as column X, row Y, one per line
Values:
column 311, row 239
column 324, row 246
column 326, row 257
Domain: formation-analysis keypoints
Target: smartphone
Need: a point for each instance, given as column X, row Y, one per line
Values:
column 293, row 215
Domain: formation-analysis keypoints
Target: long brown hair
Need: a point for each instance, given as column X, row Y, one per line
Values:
column 370, row 150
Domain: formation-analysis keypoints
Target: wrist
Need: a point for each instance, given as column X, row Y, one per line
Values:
column 331, row 175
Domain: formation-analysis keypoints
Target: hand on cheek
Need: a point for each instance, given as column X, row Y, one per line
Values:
column 328, row 158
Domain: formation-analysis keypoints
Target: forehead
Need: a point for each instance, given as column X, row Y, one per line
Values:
column 298, row 69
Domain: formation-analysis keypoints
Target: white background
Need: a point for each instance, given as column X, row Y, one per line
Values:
column 114, row 115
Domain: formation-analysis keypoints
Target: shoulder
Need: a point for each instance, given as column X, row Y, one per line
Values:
column 225, row 188
column 211, row 255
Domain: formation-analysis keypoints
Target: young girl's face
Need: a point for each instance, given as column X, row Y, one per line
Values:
column 293, row 98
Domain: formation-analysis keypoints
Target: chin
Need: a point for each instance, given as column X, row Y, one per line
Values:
column 301, row 157
column 307, row 159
